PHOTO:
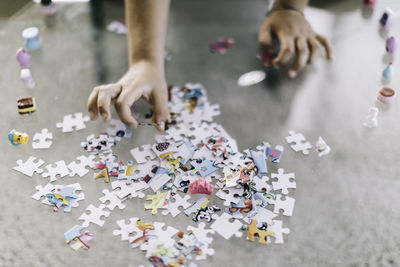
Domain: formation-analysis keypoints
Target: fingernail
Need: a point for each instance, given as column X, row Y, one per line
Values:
column 161, row 125
column 91, row 115
column 104, row 116
column 292, row 74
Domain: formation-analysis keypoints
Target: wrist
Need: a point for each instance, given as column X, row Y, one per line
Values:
column 297, row 6
column 143, row 62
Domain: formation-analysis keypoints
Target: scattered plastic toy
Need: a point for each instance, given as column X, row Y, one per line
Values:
column 386, row 19
column 48, row 7
column 222, row 45
column 26, row 77
column 386, row 95
column 201, row 186
column 371, row 121
column 321, row 147
column 31, row 36
column 26, row 105
column 23, row 58
column 388, row 72
column 369, row 2
column 17, row 138
column 117, row 27
column 391, row 45
column 251, row 78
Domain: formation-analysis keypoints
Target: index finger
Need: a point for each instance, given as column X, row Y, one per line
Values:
column 124, row 103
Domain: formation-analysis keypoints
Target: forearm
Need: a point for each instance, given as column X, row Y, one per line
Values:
column 284, row 4
column 147, row 24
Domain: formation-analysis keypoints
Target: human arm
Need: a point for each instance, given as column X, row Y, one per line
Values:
column 146, row 22
column 296, row 38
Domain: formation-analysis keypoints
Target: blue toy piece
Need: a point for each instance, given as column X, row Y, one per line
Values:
column 72, row 233
column 388, row 71
column 260, row 161
column 204, row 167
column 196, row 92
column 17, row 138
column 31, row 36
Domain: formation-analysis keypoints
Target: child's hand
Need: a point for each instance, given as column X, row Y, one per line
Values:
column 296, row 38
column 143, row 79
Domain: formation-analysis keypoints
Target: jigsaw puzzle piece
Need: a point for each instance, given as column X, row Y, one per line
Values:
column 94, row 216
column 262, row 234
column 80, row 168
column 300, row 143
column 278, row 230
column 127, row 231
column 119, row 129
column 43, row 191
column 173, row 207
column 284, row 203
column 131, row 190
column 226, row 226
column 70, row 122
column 60, row 169
column 113, row 199
column 285, row 181
column 230, row 195
column 201, row 233
column 30, row 166
column 42, row 139
column 158, row 201
column 143, row 153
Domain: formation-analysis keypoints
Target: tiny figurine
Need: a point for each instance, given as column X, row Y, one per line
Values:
column 369, row 2
column 23, row 58
column 386, row 20
column 48, row 7
column 26, row 77
column 17, row 138
column 386, row 95
column 388, row 71
column 222, row 45
column 371, row 121
column 26, row 105
column 321, row 147
column 31, row 36
column 201, row 186
column 391, row 45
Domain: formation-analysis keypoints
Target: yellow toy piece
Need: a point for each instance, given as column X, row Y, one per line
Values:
column 254, row 231
column 158, row 201
column 144, row 226
column 130, row 170
column 64, row 200
column 26, row 105
column 101, row 174
column 17, row 138
column 174, row 163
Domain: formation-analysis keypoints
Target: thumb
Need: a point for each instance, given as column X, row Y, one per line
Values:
column 160, row 102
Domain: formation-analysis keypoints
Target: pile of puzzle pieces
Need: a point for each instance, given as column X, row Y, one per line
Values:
column 193, row 159
column 196, row 156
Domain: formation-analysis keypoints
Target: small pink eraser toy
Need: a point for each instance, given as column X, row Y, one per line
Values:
column 201, row 186
column 26, row 77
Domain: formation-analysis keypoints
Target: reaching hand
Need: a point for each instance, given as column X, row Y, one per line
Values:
column 143, row 79
column 296, row 39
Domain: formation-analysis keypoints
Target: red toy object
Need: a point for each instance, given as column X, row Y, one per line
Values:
column 266, row 58
column 222, row 45
column 201, row 186
column 369, row 2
